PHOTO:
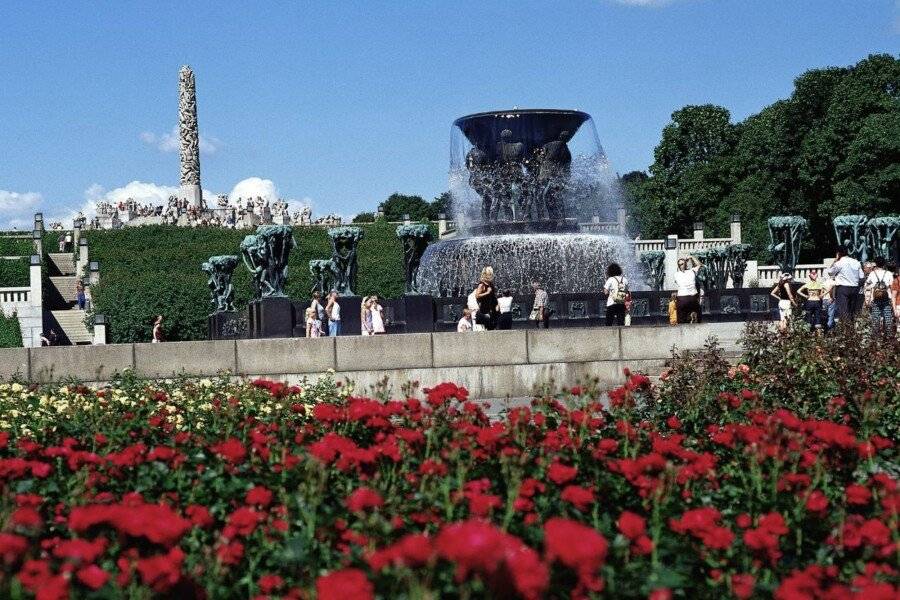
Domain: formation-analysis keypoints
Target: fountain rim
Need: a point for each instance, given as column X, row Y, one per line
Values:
column 522, row 111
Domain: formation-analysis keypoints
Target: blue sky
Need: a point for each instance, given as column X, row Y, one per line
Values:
column 342, row 103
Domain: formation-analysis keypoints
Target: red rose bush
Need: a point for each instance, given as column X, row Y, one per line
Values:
column 774, row 478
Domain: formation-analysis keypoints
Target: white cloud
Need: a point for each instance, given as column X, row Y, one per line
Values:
column 17, row 209
column 263, row 188
column 171, row 142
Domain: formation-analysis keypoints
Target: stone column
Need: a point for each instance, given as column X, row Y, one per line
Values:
column 671, row 264
column 442, row 225
column 698, row 230
column 37, row 237
column 622, row 219
column 100, row 330
column 36, row 282
column 735, row 228
column 76, row 236
column 190, row 138
column 83, row 258
column 39, row 221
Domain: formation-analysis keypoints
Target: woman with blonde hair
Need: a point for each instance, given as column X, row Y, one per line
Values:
column 365, row 316
column 486, row 296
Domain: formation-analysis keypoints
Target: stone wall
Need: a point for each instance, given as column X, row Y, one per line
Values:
column 491, row 364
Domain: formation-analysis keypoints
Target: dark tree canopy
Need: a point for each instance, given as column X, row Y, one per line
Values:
column 397, row 205
column 832, row 147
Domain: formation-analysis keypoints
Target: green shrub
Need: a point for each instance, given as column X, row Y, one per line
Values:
column 154, row 270
column 16, row 246
column 10, row 332
column 14, row 273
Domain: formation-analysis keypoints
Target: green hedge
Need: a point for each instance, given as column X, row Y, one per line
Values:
column 16, row 246
column 154, row 270
column 14, row 273
column 10, row 332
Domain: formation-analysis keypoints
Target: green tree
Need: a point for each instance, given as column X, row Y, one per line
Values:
column 397, row 205
column 440, row 205
column 364, row 217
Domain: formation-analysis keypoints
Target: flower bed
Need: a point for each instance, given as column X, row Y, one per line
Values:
column 714, row 484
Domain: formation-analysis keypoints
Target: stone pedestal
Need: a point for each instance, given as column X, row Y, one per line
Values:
column 193, row 194
column 271, row 318
column 419, row 311
column 227, row 325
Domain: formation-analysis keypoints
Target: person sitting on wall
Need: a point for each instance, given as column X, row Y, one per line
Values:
column 688, row 299
column 465, row 323
column 504, row 306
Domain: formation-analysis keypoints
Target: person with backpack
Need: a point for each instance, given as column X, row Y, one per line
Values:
column 617, row 293
column 879, row 285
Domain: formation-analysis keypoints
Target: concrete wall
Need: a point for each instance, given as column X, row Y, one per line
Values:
column 491, row 364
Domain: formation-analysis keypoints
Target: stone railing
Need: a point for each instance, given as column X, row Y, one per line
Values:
column 768, row 274
column 518, row 360
column 691, row 246
column 14, row 296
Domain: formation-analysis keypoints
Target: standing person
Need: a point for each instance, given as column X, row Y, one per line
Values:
column 45, row 339
column 785, row 296
column 313, row 324
column 157, row 330
column 316, row 305
column 616, row 291
column 879, row 286
column 333, row 310
column 896, row 288
column 365, row 317
column 540, row 311
column 688, row 298
column 828, row 303
column 504, row 306
column 847, row 274
column 61, row 242
column 80, row 297
column 472, row 306
column 486, row 295
column 865, row 293
column 813, row 294
column 465, row 323
column 376, row 312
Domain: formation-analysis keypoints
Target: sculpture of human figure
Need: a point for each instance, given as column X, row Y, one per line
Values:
column 479, row 179
column 507, row 188
column 254, row 253
column 556, row 161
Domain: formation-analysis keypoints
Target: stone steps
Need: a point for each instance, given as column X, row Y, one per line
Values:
column 72, row 323
column 65, row 285
column 64, row 262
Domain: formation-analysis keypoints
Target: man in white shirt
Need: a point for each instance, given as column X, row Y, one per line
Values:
column 847, row 273
column 880, row 290
column 687, row 303
column 334, row 314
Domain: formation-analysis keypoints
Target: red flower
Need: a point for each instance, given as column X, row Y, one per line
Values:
column 412, row 550
column 80, row 550
column 12, row 547
column 578, row 547
column 161, row 572
column 231, row 553
column 92, row 576
column 346, row 584
column 816, row 502
column 580, row 497
column 559, row 473
column 231, row 450
column 702, row 523
column 660, row 594
column 364, row 498
column 857, row 494
column 243, row 521
column 472, row 545
column 270, row 583
column 26, row 517
column 631, row 525
column 259, row 496
column 742, row 585
column 199, row 516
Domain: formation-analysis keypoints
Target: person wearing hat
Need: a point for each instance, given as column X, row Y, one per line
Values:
column 785, row 296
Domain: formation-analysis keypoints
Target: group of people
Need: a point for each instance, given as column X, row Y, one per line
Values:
column 325, row 319
column 847, row 289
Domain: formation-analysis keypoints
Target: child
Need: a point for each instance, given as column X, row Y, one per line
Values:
column 465, row 323
column 313, row 324
column 673, row 309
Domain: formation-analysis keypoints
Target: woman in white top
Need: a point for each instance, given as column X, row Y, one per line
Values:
column 313, row 324
column 472, row 305
column 365, row 316
column 377, row 312
column 616, row 290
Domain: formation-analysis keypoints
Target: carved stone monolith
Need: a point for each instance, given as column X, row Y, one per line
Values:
column 189, row 135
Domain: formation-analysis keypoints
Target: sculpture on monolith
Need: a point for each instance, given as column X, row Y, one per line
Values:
column 344, row 241
column 324, row 273
column 786, row 236
column 850, row 232
column 219, row 270
column 654, row 264
column 737, row 255
column 189, row 135
column 266, row 256
column 883, row 237
column 415, row 239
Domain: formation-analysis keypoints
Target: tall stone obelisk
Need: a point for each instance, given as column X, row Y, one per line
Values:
column 190, row 138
